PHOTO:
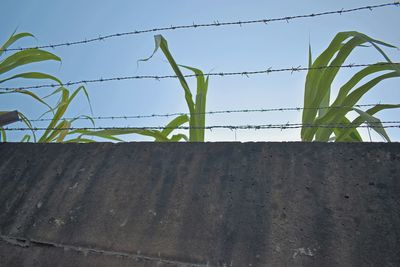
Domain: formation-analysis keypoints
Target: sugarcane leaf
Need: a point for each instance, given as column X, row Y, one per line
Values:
column 28, row 123
column 318, row 82
column 111, row 133
column 374, row 123
column 178, row 137
column 336, row 115
column 79, row 140
column 3, row 135
column 26, row 57
column 353, row 134
column 172, row 125
column 64, row 132
column 13, row 38
column 34, row 96
column 356, row 78
column 85, row 117
column 26, row 138
column 360, row 119
column 65, row 100
column 161, row 43
column 200, row 104
column 33, row 75
column 56, row 131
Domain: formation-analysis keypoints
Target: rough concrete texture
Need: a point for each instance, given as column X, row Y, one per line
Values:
column 200, row 204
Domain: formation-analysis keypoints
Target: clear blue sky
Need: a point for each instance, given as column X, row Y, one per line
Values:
column 218, row 49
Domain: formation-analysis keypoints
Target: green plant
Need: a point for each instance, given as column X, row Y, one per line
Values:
column 18, row 59
column 58, row 128
column 318, row 91
column 197, row 108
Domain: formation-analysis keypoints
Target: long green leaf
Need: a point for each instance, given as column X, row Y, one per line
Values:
column 178, row 137
column 336, row 115
column 353, row 134
column 26, row 138
column 161, row 43
column 28, row 123
column 26, row 57
column 178, row 121
column 32, row 75
column 200, row 104
column 13, row 38
column 374, row 123
column 343, row 135
column 318, row 82
column 57, row 116
column 3, row 136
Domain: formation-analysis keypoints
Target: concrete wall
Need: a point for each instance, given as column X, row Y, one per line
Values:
column 193, row 204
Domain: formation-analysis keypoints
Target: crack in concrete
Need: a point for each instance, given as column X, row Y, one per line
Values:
column 27, row 242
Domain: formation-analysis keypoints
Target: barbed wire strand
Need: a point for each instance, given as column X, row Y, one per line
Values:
column 206, row 25
column 222, row 74
column 282, row 109
column 230, row 127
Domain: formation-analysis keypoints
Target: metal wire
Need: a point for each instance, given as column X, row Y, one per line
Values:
column 222, row 74
column 205, row 25
column 206, row 113
column 230, row 127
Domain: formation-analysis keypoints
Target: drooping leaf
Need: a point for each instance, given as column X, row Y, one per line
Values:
column 26, row 57
column 161, row 43
column 345, row 133
column 373, row 123
column 319, row 82
column 178, row 121
column 33, row 75
column 178, row 137
column 28, row 123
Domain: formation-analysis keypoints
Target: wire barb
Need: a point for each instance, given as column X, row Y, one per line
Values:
column 395, row 124
column 215, row 112
column 222, row 74
column 204, row 25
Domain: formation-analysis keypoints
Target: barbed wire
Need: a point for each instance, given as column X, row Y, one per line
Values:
column 282, row 109
column 221, row 74
column 229, row 127
column 205, row 25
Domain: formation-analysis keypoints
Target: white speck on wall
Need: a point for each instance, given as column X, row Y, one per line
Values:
column 304, row 252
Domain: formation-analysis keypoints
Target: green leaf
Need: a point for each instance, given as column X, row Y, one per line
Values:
column 336, row 115
column 178, row 121
column 28, row 123
column 13, row 38
column 3, row 136
column 33, row 75
column 63, row 133
column 343, row 135
column 196, row 109
column 26, row 138
column 178, row 137
column 161, row 43
column 79, row 140
column 65, row 100
column 200, row 105
column 111, row 133
column 352, row 136
column 374, row 123
column 26, row 57
column 31, row 94
column 319, row 82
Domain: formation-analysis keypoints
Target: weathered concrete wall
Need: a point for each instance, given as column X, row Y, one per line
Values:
column 188, row 204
